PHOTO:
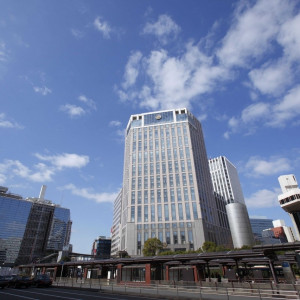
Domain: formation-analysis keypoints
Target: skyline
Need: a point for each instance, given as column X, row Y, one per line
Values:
column 72, row 73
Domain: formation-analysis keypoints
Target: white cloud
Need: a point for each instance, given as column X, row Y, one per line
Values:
column 163, row 28
column 42, row 90
column 78, row 34
column 284, row 111
column 115, row 123
column 257, row 166
column 263, row 198
column 88, row 194
column 255, row 112
column 4, row 123
column 272, row 78
column 253, row 30
column 289, row 38
column 175, row 81
column 65, row 160
column 41, row 172
column 3, row 52
column 89, row 102
column 103, row 27
column 132, row 69
column 73, row 110
column 287, row 109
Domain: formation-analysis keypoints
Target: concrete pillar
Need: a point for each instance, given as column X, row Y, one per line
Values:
column 54, row 273
column 195, row 274
column 148, row 273
column 119, row 273
column 167, row 273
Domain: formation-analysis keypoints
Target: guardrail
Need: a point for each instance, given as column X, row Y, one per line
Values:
column 180, row 291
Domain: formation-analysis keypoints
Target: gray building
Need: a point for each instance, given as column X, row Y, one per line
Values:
column 31, row 228
column 167, row 189
column 226, row 182
column 116, row 226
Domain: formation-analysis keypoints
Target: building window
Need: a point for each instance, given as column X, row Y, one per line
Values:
column 165, row 195
column 187, row 211
column 195, row 213
column 177, row 180
column 160, row 236
column 179, row 199
column 168, row 240
column 173, row 209
column 193, row 194
column 186, row 195
column 158, row 196
column 172, row 195
column 145, row 197
column 166, row 209
column 152, row 213
column 159, row 214
column 139, row 214
column 182, row 237
column 132, row 213
column 132, row 197
column 146, row 213
column 175, row 237
column 180, row 211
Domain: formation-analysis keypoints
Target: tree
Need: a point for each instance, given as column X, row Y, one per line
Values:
column 209, row 247
column 152, row 247
column 212, row 247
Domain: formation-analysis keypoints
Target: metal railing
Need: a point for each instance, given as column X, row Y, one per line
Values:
column 184, row 291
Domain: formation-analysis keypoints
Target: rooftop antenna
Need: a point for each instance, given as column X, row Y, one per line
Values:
column 42, row 192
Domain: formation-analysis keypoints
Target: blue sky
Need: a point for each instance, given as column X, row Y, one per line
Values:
column 72, row 72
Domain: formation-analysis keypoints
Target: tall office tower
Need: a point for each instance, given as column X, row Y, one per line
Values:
column 116, row 226
column 258, row 225
column 226, row 182
column 32, row 228
column 167, row 189
column 290, row 199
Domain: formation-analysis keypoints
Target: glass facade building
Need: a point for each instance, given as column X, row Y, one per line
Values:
column 59, row 236
column 167, row 190
column 31, row 229
column 14, row 213
column 258, row 225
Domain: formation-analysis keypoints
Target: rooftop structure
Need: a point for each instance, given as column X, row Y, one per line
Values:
column 289, row 200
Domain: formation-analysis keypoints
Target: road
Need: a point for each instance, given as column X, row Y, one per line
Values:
column 59, row 293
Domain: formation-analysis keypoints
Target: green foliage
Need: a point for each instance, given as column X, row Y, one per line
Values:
column 212, row 247
column 152, row 247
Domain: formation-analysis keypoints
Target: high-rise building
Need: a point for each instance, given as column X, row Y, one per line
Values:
column 31, row 228
column 226, row 182
column 101, row 248
column 167, row 189
column 258, row 225
column 290, row 199
column 14, row 213
column 116, row 226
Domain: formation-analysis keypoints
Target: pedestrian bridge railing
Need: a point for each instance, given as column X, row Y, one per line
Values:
column 184, row 291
